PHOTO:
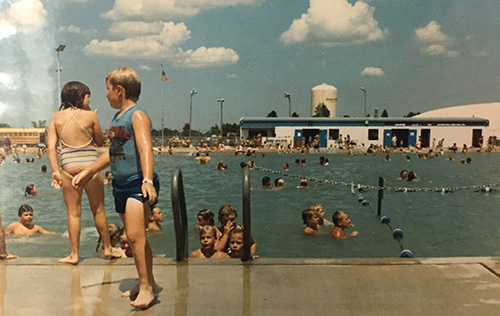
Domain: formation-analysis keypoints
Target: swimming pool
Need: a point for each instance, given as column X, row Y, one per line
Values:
column 462, row 223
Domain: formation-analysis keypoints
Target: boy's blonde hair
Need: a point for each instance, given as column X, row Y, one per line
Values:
column 236, row 231
column 128, row 79
column 208, row 229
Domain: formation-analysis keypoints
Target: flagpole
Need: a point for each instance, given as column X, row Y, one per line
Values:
column 162, row 113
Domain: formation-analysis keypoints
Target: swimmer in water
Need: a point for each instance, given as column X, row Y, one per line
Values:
column 155, row 219
column 342, row 221
column 24, row 226
column 312, row 221
column 320, row 211
column 403, row 174
column 31, row 190
column 208, row 236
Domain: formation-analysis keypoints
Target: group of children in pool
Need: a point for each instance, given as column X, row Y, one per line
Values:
column 314, row 218
column 225, row 241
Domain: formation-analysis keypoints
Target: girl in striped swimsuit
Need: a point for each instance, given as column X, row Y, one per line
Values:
column 76, row 129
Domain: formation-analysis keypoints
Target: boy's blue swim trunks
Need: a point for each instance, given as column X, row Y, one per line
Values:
column 132, row 189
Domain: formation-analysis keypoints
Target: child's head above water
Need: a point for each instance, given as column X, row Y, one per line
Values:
column 341, row 219
column 310, row 217
column 208, row 237
column 24, row 208
column 236, row 242
column 208, row 229
column 227, row 211
column 205, row 217
column 31, row 190
column 128, row 79
column 73, row 94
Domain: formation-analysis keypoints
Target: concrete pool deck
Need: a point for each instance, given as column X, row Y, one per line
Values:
column 444, row 286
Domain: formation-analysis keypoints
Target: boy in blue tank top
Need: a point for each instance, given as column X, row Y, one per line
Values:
column 135, row 185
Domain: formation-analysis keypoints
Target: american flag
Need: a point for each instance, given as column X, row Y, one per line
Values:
column 164, row 76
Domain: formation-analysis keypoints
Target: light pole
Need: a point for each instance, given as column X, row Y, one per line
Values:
column 287, row 95
column 191, row 110
column 221, row 101
column 59, row 49
column 364, row 93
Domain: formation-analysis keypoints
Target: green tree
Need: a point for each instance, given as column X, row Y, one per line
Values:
column 185, row 130
column 384, row 113
column 294, row 114
column 410, row 114
column 214, row 130
column 39, row 124
column 272, row 114
column 4, row 125
column 321, row 111
column 231, row 128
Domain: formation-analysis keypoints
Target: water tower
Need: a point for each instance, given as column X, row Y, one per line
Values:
column 324, row 94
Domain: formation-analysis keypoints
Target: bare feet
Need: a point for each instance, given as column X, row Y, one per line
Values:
column 69, row 259
column 134, row 292
column 144, row 299
column 114, row 253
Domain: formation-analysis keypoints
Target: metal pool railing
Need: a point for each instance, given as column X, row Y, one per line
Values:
column 180, row 215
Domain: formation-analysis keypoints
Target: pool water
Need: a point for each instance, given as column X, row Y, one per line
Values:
column 461, row 223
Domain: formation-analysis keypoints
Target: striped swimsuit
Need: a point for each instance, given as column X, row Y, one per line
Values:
column 75, row 158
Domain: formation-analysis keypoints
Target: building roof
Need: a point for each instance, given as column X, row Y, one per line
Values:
column 362, row 121
column 489, row 111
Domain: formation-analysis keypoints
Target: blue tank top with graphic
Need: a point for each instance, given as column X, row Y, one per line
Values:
column 123, row 154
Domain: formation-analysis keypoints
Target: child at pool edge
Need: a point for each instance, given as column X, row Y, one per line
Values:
column 24, row 226
column 208, row 237
column 236, row 243
column 77, row 129
column 206, row 217
column 310, row 218
column 341, row 221
column 134, row 191
column 227, row 217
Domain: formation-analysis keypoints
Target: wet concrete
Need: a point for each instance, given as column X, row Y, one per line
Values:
column 438, row 286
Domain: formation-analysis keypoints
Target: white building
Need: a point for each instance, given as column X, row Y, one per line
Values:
column 367, row 131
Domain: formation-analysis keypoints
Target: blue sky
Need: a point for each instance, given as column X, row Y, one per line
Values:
column 408, row 55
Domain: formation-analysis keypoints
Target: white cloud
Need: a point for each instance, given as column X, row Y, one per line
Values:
column 204, row 57
column 156, row 46
column 9, row 81
column 145, row 67
column 164, row 44
column 163, row 9
column 335, row 22
column 24, row 16
column 76, row 30
column 431, row 33
column 131, row 28
column 6, row 29
column 434, row 42
column 373, row 71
